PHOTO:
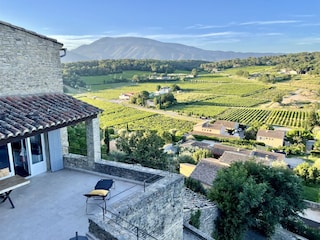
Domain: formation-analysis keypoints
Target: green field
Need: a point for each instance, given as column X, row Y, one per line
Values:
column 222, row 96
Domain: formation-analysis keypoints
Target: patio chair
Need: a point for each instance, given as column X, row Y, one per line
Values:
column 100, row 191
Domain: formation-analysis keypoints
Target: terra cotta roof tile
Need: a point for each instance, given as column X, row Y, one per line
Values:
column 20, row 115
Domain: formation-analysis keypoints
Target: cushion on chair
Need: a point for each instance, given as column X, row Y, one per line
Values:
column 97, row 192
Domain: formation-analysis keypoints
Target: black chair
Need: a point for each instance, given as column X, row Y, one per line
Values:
column 101, row 191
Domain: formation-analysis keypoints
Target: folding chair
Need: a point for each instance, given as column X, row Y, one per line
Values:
column 101, row 191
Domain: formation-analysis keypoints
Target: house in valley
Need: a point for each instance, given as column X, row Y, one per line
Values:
column 125, row 96
column 219, row 128
column 272, row 138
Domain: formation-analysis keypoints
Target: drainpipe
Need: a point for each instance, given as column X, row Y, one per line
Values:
column 64, row 52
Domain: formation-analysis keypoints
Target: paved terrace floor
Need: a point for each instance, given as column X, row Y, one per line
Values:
column 52, row 206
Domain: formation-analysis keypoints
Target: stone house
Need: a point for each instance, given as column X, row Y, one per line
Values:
column 34, row 114
column 219, row 128
column 272, row 138
column 34, row 111
column 209, row 129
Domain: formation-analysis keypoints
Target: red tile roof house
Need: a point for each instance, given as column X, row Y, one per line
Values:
column 34, row 114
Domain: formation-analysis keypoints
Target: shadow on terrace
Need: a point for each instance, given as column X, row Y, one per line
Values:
column 52, row 206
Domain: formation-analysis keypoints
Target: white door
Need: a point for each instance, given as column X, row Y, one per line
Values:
column 36, row 154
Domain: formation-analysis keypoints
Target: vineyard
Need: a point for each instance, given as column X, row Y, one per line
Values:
column 219, row 96
column 235, row 101
column 159, row 123
column 120, row 116
column 287, row 118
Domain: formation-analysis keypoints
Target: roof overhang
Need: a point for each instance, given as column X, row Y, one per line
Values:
column 26, row 116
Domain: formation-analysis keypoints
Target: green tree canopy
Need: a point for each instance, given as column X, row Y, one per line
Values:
column 143, row 147
column 251, row 195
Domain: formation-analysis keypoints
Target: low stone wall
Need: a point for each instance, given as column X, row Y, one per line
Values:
column 158, row 210
column 312, row 205
column 122, row 170
column 192, row 233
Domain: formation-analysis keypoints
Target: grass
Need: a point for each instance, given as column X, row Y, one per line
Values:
column 311, row 192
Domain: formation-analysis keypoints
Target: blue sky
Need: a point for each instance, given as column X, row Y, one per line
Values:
column 283, row 26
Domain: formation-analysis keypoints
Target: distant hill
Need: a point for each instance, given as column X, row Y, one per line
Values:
column 144, row 48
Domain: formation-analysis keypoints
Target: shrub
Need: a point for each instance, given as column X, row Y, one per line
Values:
column 195, row 218
column 194, row 185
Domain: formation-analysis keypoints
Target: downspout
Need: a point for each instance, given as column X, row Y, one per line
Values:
column 64, row 52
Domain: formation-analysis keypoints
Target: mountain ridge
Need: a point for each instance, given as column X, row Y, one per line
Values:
column 145, row 48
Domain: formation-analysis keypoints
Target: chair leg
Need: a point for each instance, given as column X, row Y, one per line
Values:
column 87, row 205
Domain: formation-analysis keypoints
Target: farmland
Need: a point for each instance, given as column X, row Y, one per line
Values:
column 216, row 96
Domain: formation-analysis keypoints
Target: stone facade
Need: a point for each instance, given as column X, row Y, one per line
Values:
column 29, row 62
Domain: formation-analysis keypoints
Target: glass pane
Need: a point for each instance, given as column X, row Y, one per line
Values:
column 4, row 161
column 36, row 149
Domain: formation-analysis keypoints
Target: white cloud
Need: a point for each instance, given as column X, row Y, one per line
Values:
column 309, row 41
column 74, row 41
column 269, row 22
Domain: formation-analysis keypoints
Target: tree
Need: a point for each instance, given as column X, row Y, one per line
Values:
column 194, row 72
column 200, row 154
column 252, row 195
column 277, row 98
column 143, row 147
column 136, row 78
column 106, row 140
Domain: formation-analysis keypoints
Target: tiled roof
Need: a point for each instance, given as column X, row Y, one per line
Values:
column 271, row 133
column 227, row 124
column 25, row 115
column 230, row 157
column 268, row 155
column 206, row 170
column 219, row 149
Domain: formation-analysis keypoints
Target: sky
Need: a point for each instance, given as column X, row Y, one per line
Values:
column 277, row 26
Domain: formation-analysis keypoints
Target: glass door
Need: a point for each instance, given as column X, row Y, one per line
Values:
column 29, row 156
column 20, row 157
column 37, row 153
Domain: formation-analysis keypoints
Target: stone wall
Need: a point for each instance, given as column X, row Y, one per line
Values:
column 29, row 62
column 129, row 171
column 312, row 205
column 158, row 210
column 209, row 211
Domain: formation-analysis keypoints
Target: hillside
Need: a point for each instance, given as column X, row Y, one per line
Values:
column 144, row 48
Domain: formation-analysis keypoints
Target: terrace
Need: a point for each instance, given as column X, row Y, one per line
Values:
column 52, row 206
column 144, row 203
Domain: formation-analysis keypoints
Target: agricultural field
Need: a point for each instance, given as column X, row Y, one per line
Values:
column 287, row 118
column 160, row 123
column 120, row 116
column 216, row 96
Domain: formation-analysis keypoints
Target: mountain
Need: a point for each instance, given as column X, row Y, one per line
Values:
column 144, row 48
